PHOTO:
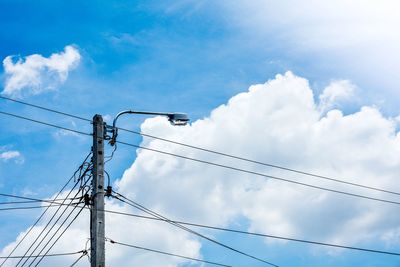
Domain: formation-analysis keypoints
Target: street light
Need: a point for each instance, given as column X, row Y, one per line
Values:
column 177, row 119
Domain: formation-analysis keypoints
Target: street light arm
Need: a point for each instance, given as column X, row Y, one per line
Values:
column 178, row 119
column 119, row 114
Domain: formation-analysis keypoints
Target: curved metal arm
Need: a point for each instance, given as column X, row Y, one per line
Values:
column 178, row 119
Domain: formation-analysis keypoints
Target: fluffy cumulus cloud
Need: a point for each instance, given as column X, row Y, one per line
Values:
column 277, row 122
column 35, row 73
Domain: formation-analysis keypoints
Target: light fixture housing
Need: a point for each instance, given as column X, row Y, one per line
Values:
column 178, row 119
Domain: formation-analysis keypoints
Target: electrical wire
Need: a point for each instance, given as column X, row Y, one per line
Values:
column 165, row 253
column 34, row 199
column 256, row 234
column 220, row 165
column 108, row 178
column 216, row 152
column 55, row 222
column 45, row 228
column 111, row 156
column 259, row 174
column 48, row 255
column 37, row 207
column 77, row 181
column 44, row 108
column 157, row 215
column 26, row 202
column 56, row 231
column 245, row 233
column 44, row 123
column 324, row 177
column 66, row 228
column 84, row 253
column 238, row 232
column 223, row 166
column 300, row 172
column 43, row 213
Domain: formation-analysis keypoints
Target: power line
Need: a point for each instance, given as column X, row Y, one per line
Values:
column 43, row 213
column 82, row 176
column 59, row 217
column 45, row 228
column 219, row 165
column 283, row 179
column 258, row 174
column 27, row 202
column 38, row 207
column 157, row 215
column 85, row 253
column 216, row 152
column 262, row 163
column 165, row 253
column 55, row 233
column 66, row 228
column 48, row 255
column 44, row 108
column 31, row 199
column 257, row 234
column 248, row 233
column 44, row 123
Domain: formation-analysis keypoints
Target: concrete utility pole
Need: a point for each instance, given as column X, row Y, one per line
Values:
column 97, row 223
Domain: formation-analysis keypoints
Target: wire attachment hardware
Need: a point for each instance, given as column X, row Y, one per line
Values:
column 109, row 191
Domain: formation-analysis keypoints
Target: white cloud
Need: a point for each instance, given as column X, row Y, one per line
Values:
column 155, row 235
column 353, row 39
column 35, row 73
column 334, row 93
column 11, row 155
column 276, row 122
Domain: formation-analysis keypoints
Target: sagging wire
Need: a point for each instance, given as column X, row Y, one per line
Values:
column 157, row 215
column 56, row 231
column 111, row 156
column 81, row 179
column 165, row 253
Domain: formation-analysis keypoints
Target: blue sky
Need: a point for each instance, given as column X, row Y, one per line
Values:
column 193, row 57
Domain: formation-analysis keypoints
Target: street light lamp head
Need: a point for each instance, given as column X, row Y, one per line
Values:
column 178, row 119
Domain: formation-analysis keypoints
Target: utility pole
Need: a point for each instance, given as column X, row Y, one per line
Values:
column 97, row 238
column 97, row 222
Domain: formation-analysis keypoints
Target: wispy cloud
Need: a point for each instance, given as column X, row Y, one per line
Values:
column 12, row 155
column 35, row 74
